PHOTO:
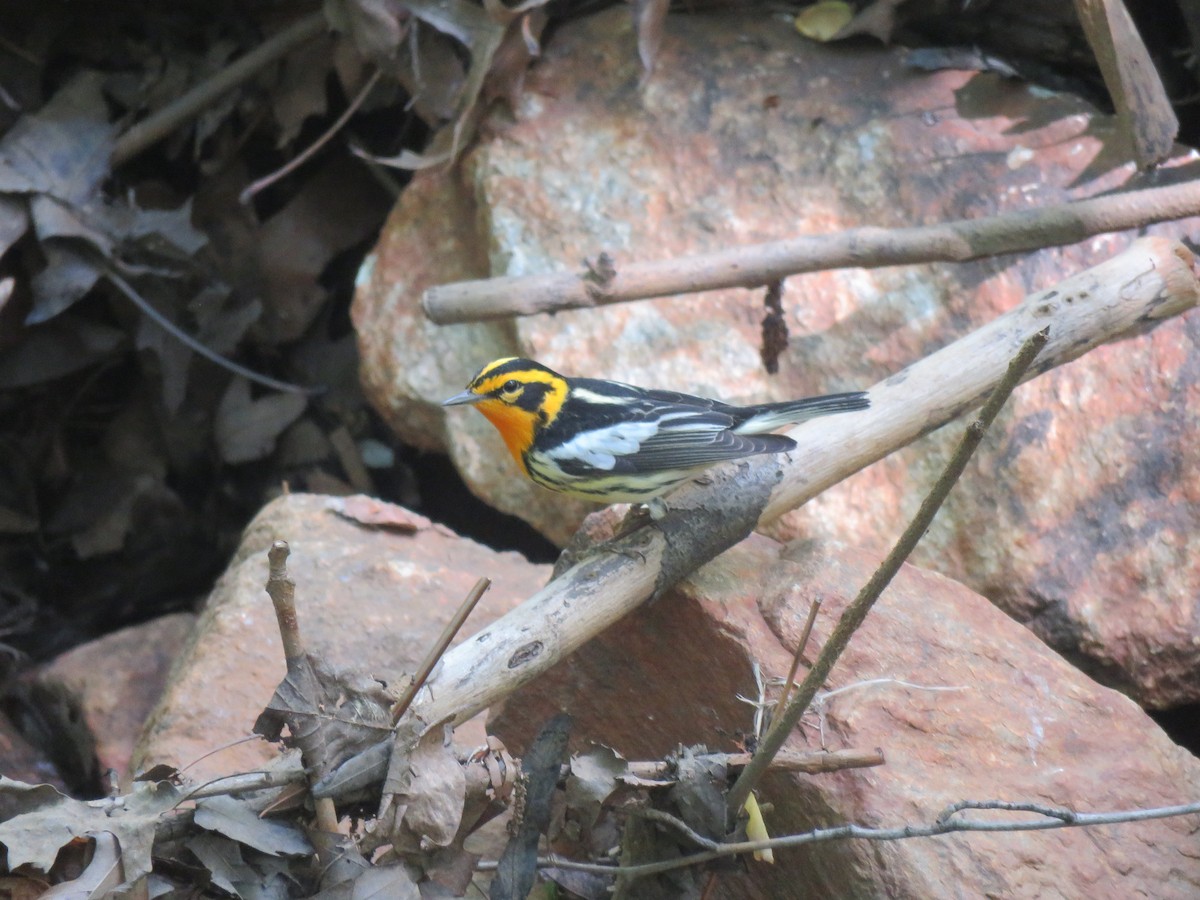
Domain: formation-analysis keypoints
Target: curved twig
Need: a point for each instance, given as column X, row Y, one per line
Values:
column 195, row 346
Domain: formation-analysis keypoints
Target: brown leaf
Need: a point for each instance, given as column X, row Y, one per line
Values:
column 878, row 20
column 63, row 149
column 540, row 771
column 223, row 859
column 338, row 207
column 431, row 788
column 375, row 883
column 300, row 92
column 332, row 714
column 699, row 794
column 55, row 349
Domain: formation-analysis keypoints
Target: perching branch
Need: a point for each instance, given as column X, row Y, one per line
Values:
column 857, row 611
column 758, row 264
column 1127, row 295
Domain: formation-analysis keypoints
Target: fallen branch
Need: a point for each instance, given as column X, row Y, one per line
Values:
column 759, row 264
column 1127, row 295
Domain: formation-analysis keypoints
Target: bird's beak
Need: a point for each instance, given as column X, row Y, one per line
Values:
column 460, row 399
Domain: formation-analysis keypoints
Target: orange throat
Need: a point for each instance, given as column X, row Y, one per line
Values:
column 514, row 424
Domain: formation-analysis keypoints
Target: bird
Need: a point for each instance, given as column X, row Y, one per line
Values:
column 610, row 442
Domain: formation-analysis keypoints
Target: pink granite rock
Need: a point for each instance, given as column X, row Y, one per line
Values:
column 375, row 585
column 1000, row 717
column 115, row 681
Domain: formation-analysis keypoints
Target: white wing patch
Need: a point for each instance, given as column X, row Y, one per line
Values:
column 579, row 393
column 600, row 447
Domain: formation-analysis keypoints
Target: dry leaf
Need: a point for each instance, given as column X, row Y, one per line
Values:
column 51, row 820
column 878, row 20
column 431, row 789
column 238, row 821
column 247, row 429
column 101, row 876
column 594, row 776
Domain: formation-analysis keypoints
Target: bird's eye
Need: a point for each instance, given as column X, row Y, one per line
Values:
column 511, row 386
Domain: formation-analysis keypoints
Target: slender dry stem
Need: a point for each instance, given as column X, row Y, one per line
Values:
column 791, row 676
column 400, row 707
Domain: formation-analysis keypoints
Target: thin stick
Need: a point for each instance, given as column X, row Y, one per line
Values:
column 158, row 125
column 1055, row 818
column 195, row 346
column 791, row 677
column 853, row 617
column 308, row 152
column 759, row 264
column 400, row 707
column 810, row 762
column 282, row 591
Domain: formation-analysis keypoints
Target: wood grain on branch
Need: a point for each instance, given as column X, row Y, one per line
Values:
column 760, row 264
column 1153, row 280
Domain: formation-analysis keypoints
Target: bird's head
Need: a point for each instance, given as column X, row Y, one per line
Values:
column 517, row 396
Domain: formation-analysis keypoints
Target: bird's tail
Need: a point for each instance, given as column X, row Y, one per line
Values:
column 769, row 416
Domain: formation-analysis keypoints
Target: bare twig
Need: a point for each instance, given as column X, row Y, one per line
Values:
column 307, row 153
column 857, row 611
column 282, row 591
column 810, row 762
column 439, row 647
column 195, row 346
column 1055, row 818
column 665, row 818
column 246, row 782
column 158, row 125
column 803, row 642
column 758, row 264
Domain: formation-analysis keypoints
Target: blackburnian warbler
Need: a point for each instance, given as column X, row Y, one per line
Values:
column 608, row 442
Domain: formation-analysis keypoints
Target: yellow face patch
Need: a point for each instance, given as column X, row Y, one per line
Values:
column 552, row 400
column 516, row 410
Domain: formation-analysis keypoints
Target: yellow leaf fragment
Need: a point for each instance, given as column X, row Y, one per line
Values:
column 821, row 21
column 756, row 829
